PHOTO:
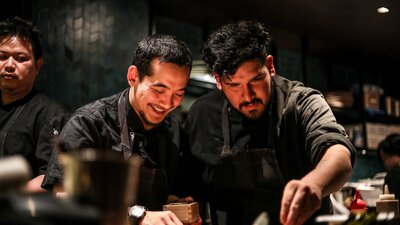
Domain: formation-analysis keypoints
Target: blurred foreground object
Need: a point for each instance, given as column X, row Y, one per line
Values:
column 102, row 179
column 43, row 209
column 21, row 208
column 262, row 219
column 14, row 173
column 358, row 206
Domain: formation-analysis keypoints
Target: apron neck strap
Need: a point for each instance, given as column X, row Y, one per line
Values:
column 125, row 144
column 226, row 149
column 125, row 140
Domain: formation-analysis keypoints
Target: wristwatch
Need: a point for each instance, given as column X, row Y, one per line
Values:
column 137, row 211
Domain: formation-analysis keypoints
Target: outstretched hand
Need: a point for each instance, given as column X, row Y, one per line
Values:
column 299, row 201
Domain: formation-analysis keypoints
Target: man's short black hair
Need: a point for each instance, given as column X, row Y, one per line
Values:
column 23, row 30
column 235, row 43
column 391, row 145
column 167, row 48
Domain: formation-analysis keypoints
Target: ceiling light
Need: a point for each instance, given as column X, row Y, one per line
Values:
column 382, row 10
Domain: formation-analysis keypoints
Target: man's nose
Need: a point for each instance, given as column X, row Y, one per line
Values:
column 167, row 101
column 248, row 93
column 10, row 64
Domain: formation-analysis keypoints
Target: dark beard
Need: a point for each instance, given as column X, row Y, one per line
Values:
column 253, row 115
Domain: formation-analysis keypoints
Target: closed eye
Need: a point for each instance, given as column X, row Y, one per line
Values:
column 232, row 84
column 158, row 90
column 3, row 57
column 21, row 58
column 181, row 94
column 258, row 78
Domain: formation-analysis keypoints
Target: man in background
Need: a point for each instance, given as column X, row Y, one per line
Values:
column 28, row 119
column 389, row 152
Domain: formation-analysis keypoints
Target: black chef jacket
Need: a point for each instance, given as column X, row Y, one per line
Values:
column 304, row 127
column 31, row 132
column 96, row 125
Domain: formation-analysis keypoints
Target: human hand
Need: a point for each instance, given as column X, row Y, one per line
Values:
column 188, row 199
column 299, row 201
column 160, row 217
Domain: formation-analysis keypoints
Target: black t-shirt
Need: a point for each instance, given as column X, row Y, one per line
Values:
column 392, row 179
column 30, row 134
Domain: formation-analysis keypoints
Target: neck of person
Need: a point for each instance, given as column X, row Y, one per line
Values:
column 9, row 96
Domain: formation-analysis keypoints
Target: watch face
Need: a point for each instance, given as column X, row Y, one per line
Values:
column 137, row 211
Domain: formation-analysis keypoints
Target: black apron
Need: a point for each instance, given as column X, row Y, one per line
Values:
column 153, row 186
column 246, row 181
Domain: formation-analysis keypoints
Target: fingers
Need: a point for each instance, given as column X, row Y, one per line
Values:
column 160, row 217
column 298, row 207
column 299, row 202
column 288, row 194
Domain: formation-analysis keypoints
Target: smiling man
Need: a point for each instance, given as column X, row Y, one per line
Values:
column 28, row 119
column 157, row 78
column 267, row 143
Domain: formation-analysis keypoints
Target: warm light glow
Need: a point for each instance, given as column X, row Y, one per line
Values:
column 382, row 10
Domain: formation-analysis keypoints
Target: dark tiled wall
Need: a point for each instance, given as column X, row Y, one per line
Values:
column 89, row 45
column 190, row 34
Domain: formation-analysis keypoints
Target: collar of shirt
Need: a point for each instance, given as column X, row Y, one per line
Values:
column 18, row 102
column 147, row 140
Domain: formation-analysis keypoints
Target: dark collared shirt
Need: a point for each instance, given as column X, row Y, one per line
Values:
column 30, row 134
column 96, row 125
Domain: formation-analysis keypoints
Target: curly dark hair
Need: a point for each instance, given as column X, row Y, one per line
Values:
column 167, row 48
column 391, row 145
column 25, row 31
column 234, row 43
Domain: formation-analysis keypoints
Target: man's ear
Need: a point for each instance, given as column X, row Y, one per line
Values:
column 270, row 65
column 39, row 64
column 217, row 80
column 133, row 76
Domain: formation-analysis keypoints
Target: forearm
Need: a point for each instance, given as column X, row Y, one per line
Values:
column 333, row 170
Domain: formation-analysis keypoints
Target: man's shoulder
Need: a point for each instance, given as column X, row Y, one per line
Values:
column 292, row 88
column 101, row 112
column 103, row 105
column 43, row 100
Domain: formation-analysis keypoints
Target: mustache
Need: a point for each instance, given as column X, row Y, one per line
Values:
column 8, row 74
column 254, row 101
